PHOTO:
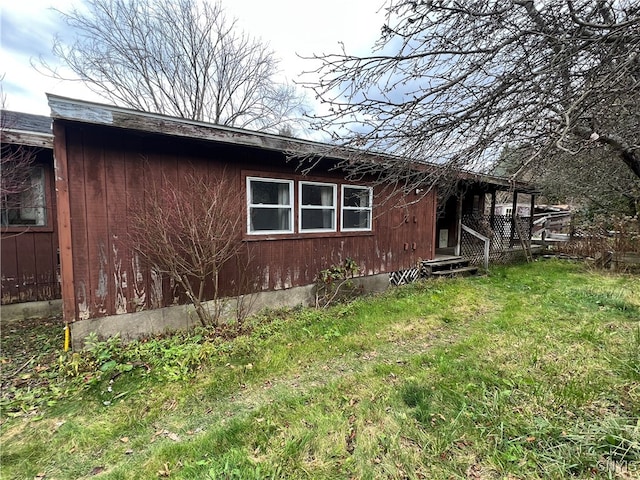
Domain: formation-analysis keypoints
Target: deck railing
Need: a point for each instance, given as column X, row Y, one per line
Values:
column 486, row 242
column 503, row 240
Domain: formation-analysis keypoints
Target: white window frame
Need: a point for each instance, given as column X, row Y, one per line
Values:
column 334, row 207
column 32, row 203
column 250, row 205
column 344, row 208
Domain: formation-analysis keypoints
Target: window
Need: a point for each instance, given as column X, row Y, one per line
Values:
column 317, row 207
column 270, row 204
column 356, row 208
column 27, row 208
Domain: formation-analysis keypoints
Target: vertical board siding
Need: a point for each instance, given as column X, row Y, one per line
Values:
column 10, row 275
column 29, row 267
column 116, row 195
column 79, row 213
column 140, row 277
column 109, row 172
column 46, row 281
column 101, row 291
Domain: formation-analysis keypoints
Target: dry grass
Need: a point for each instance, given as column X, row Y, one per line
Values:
column 530, row 372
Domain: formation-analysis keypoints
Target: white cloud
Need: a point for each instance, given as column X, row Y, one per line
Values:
column 28, row 29
column 294, row 27
column 291, row 27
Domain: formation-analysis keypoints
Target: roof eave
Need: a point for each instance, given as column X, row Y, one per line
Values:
column 63, row 108
column 29, row 139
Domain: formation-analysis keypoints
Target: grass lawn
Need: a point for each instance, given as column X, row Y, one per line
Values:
column 530, row 372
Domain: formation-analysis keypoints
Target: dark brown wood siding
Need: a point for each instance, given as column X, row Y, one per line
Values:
column 30, row 254
column 108, row 172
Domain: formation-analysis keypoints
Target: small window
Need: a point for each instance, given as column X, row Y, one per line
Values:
column 28, row 207
column 317, row 207
column 270, row 205
column 356, row 208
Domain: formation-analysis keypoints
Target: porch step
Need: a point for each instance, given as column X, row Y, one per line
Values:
column 456, row 271
column 444, row 262
column 449, row 266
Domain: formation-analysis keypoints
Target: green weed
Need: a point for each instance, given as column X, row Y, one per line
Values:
column 529, row 372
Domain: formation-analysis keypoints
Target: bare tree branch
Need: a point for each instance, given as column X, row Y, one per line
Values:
column 178, row 57
column 189, row 230
column 16, row 162
column 454, row 82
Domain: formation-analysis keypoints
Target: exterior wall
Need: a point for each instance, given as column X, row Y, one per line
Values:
column 447, row 224
column 29, row 267
column 107, row 170
column 473, row 202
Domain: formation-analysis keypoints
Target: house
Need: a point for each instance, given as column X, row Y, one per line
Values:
column 28, row 224
column 522, row 209
column 108, row 157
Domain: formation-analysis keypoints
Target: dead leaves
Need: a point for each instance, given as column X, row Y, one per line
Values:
column 165, row 434
column 165, row 471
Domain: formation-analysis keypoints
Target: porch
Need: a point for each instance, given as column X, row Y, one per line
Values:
column 470, row 227
column 470, row 234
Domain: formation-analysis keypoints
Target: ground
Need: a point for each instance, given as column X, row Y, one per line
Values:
column 27, row 346
column 529, row 372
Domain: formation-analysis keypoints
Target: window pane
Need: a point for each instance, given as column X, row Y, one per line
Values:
column 318, row 219
column 321, row 195
column 269, row 193
column 263, row 219
column 356, row 219
column 356, row 197
column 28, row 207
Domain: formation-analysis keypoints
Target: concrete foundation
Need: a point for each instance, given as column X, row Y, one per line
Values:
column 30, row 310
column 135, row 325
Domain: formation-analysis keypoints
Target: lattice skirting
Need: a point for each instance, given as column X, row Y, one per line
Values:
column 402, row 277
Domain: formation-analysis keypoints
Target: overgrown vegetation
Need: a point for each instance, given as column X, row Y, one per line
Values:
column 335, row 284
column 530, row 372
column 605, row 238
column 188, row 230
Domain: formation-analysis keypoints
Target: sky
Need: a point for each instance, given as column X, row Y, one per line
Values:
column 290, row 27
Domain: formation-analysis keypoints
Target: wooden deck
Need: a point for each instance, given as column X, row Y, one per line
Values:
column 447, row 265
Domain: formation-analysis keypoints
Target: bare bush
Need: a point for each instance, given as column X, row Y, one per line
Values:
column 189, row 230
column 16, row 162
column 605, row 239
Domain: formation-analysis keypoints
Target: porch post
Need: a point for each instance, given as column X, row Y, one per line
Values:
column 514, row 213
column 492, row 214
column 459, row 233
column 533, row 203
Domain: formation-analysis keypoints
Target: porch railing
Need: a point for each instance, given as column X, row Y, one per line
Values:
column 485, row 240
column 502, row 234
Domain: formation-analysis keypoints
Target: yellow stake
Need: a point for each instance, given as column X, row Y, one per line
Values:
column 67, row 338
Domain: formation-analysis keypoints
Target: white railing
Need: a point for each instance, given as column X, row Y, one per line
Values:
column 486, row 240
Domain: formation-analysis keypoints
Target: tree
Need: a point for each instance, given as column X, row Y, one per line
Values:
column 589, row 181
column 592, row 182
column 177, row 57
column 452, row 82
column 188, row 231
